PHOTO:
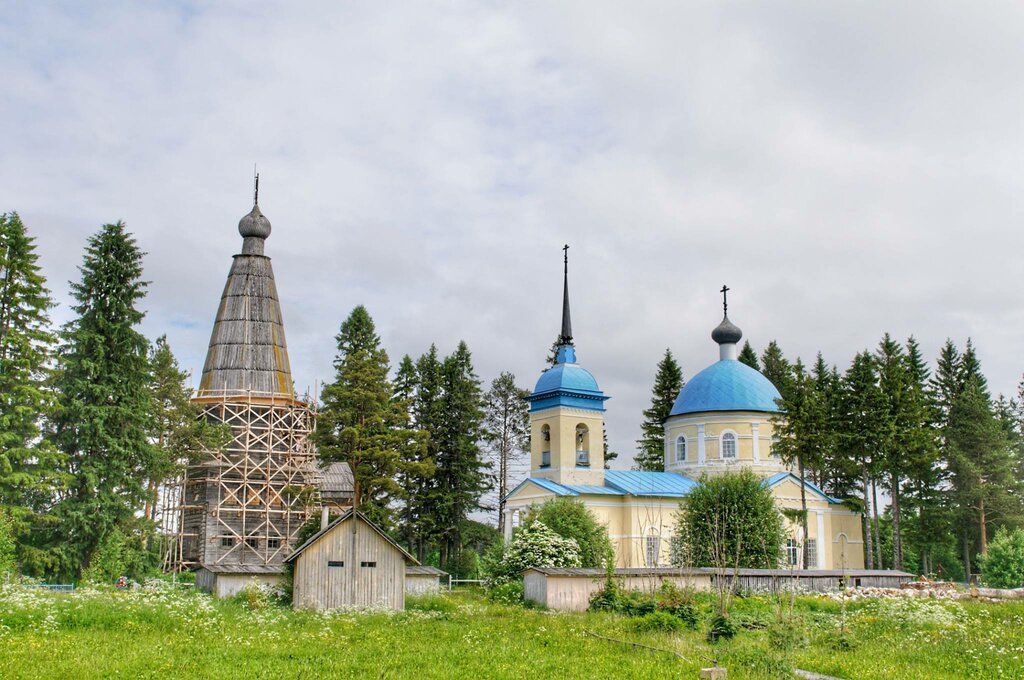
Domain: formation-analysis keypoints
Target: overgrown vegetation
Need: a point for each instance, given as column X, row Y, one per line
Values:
column 174, row 633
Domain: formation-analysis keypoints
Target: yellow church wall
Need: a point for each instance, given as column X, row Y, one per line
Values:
column 753, row 432
column 835, row 528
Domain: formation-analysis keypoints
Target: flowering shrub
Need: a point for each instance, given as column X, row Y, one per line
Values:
column 533, row 546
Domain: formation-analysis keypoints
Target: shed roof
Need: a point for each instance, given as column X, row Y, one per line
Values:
column 677, row 571
column 424, row 570
column 345, row 516
column 243, row 568
column 337, row 480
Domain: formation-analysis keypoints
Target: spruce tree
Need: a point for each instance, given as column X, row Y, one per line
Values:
column 506, row 431
column 360, row 422
column 749, row 357
column 860, row 424
column 462, row 473
column 897, row 418
column 29, row 465
column 799, row 428
column 105, row 414
column 668, row 381
column 180, row 434
column 776, row 367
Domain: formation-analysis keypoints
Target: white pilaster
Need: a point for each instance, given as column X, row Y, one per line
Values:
column 757, row 441
column 821, row 540
column 700, row 444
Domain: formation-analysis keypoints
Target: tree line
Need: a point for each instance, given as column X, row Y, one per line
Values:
column 95, row 418
column 947, row 455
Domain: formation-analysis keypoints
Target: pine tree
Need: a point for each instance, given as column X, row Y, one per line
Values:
column 507, row 431
column 749, row 357
column 981, row 462
column 462, row 473
column 28, row 465
column 104, row 418
column 668, row 381
column 360, row 422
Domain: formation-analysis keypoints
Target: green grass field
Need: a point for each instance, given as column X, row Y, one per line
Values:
column 157, row 633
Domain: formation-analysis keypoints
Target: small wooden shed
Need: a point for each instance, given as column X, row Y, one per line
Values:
column 350, row 563
column 420, row 580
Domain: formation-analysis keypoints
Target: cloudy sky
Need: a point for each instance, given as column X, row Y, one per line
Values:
column 848, row 169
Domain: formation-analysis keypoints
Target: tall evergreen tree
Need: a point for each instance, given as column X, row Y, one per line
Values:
column 896, row 436
column 749, row 357
column 668, row 380
column 360, row 422
column 104, row 418
column 506, row 431
column 799, row 428
column 776, row 367
column 462, row 473
column 860, row 424
column 981, row 463
column 180, row 434
column 29, row 466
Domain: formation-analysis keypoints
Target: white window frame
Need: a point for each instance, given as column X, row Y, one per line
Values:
column 681, row 439
column 735, row 445
column 652, row 547
column 812, row 553
column 792, row 552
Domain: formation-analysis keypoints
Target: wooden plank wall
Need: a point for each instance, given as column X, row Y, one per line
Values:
column 319, row 586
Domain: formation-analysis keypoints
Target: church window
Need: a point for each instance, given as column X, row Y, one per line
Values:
column 792, row 552
column 652, row 547
column 812, row 553
column 681, row 449
column 545, row 454
column 728, row 445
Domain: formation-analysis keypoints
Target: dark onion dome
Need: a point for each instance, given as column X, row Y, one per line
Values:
column 727, row 385
column 254, row 224
column 726, row 332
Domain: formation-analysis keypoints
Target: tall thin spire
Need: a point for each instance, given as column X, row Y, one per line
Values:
column 256, row 189
column 566, row 337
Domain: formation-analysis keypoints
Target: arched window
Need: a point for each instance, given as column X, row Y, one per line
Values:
column 545, row 453
column 582, row 445
column 652, row 547
column 728, row 445
column 681, row 449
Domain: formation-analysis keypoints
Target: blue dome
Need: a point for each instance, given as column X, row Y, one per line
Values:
column 727, row 385
column 567, row 384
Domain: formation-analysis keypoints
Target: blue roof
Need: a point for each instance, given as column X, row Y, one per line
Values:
column 637, row 483
column 727, row 385
column 621, row 483
column 567, row 384
column 779, row 477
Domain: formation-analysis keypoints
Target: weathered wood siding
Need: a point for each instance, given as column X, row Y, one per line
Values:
column 421, row 584
column 351, row 542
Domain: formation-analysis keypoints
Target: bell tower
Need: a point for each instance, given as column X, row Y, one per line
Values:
column 567, row 414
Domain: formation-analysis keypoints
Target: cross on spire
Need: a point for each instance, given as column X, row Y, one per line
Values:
column 256, row 189
column 725, row 299
column 566, row 337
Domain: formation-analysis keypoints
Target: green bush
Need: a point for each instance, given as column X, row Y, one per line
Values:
column 569, row 518
column 734, row 513
column 608, row 598
column 722, row 628
column 657, row 621
column 510, row 593
column 430, row 602
column 788, row 633
column 1003, row 566
column 677, row 602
